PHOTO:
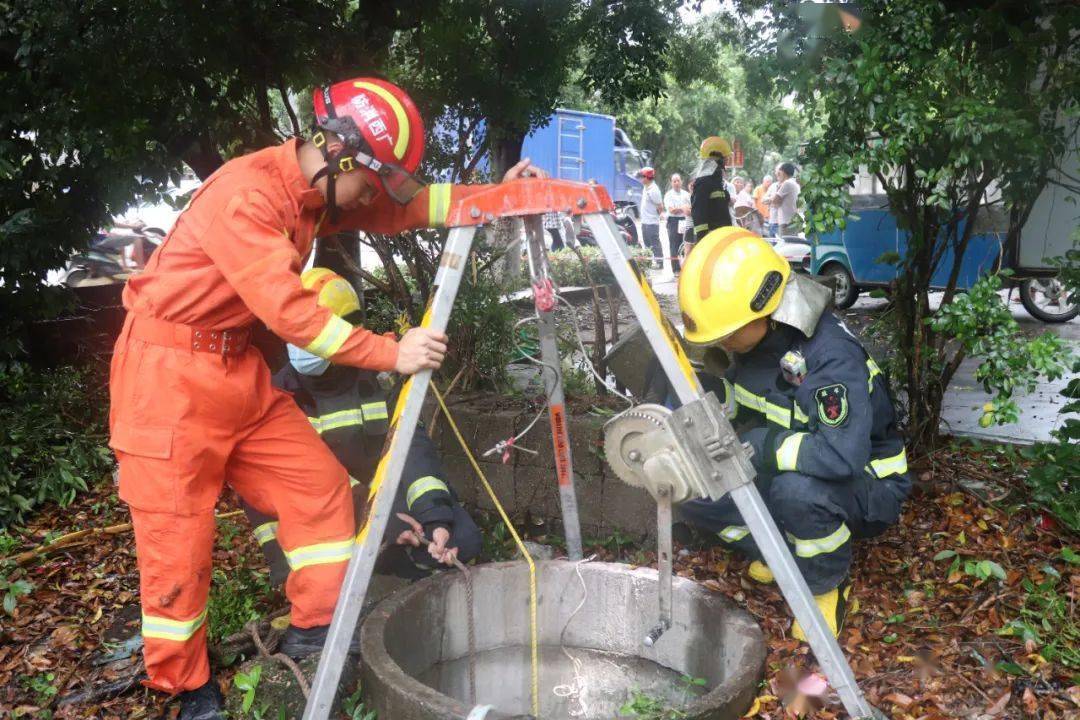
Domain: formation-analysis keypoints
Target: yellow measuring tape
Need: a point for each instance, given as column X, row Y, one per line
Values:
column 533, row 643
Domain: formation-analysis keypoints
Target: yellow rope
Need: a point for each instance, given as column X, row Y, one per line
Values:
column 533, row 642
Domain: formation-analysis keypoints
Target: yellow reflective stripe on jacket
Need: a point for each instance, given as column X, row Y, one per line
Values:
column 734, row 533
column 699, row 228
column 331, row 338
column 266, row 532
column 787, row 455
column 320, row 554
column 423, row 486
column 800, row 416
column 873, row 369
column 829, row 543
column 375, row 410
column 895, row 465
column 773, row 413
column 335, row 420
column 716, row 194
column 166, row 629
column 438, row 203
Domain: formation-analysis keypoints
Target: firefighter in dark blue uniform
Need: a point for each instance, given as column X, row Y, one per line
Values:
column 349, row 408
column 710, row 202
column 810, row 401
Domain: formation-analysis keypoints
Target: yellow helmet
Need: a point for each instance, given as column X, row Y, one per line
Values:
column 729, row 279
column 336, row 294
column 714, row 147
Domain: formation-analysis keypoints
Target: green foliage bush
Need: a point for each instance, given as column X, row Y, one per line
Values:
column 981, row 322
column 569, row 272
column 481, row 330
column 53, row 433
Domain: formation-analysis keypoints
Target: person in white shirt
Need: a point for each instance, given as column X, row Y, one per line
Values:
column 743, row 205
column 677, row 204
column 785, row 198
column 652, row 204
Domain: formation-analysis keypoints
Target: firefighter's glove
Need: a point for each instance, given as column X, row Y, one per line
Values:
column 764, row 441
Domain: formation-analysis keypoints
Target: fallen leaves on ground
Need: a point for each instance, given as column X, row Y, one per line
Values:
column 927, row 640
column 84, row 605
column 924, row 637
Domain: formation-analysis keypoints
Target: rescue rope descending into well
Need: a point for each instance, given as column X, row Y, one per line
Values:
column 533, row 635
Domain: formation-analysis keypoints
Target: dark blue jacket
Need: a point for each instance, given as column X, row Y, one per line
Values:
column 834, row 420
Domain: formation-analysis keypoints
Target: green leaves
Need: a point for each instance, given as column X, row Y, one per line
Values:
column 248, row 683
column 12, row 591
column 52, row 436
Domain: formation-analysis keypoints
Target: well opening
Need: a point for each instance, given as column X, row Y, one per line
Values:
column 415, row 646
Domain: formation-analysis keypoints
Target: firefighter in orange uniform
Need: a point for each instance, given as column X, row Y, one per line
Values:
column 192, row 404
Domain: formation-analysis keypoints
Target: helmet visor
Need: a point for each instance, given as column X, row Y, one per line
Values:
column 401, row 185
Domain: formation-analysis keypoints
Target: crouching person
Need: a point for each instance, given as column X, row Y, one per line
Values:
column 349, row 408
column 810, row 401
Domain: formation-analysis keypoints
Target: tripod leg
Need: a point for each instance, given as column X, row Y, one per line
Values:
column 549, row 354
column 384, row 486
column 684, row 383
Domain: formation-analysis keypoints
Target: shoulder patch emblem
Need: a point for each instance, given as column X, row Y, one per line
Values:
column 832, row 404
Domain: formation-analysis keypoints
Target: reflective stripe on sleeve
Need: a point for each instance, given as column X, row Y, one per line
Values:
column 895, row 465
column 814, row 547
column 438, row 203
column 320, row 554
column 423, row 486
column 266, row 532
column 729, row 398
column 331, row 338
column 701, row 228
column 375, row 410
column 873, row 369
column 339, row 419
column 716, row 194
column 787, row 455
column 734, row 533
column 166, row 629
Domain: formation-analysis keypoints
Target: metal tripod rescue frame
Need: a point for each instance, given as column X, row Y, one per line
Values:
column 530, row 198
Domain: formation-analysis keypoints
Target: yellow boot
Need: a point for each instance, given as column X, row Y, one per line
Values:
column 833, row 606
column 760, row 572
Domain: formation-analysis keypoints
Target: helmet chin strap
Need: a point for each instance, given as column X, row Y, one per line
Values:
column 333, row 160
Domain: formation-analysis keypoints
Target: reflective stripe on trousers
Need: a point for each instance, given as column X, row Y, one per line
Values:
column 266, row 532
column 319, row 554
column 808, row 548
column 166, row 629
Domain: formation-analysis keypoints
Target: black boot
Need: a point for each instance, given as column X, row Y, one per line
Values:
column 204, row 703
column 298, row 643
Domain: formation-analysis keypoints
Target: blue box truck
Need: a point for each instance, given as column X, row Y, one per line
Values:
column 582, row 146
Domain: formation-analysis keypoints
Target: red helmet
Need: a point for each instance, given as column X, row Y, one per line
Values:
column 647, row 172
column 380, row 128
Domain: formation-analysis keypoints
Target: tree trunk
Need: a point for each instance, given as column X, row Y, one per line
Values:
column 505, row 150
column 201, row 156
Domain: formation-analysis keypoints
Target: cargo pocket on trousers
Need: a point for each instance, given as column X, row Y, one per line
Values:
column 880, row 506
column 147, row 475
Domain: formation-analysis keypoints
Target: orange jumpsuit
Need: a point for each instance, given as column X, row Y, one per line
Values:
column 193, row 407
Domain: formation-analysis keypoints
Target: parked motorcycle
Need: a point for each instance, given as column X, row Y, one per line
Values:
column 112, row 256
